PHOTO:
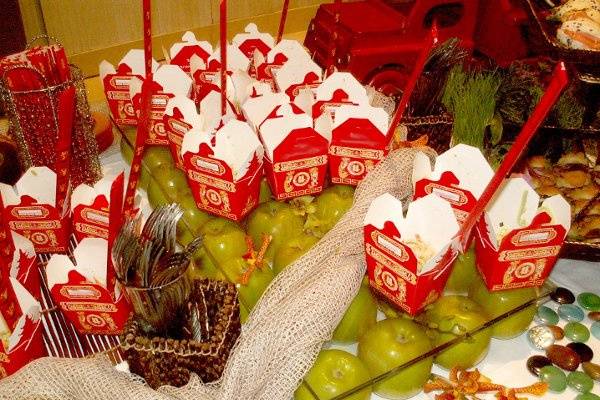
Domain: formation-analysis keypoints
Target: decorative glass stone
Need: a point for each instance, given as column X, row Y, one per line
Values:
column 580, row 382
column 554, row 377
column 595, row 328
column 558, row 332
column 589, row 301
column 546, row 315
column 587, row 396
column 535, row 363
column 577, row 332
column 593, row 370
column 570, row 312
column 583, row 350
column 594, row 315
column 540, row 337
column 563, row 357
column 562, row 296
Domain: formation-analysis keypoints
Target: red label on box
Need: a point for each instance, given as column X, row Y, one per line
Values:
column 116, row 89
column 176, row 129
column 462, row 201
column 91, row 220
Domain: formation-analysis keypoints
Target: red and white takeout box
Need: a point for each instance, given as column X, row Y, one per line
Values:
column 207, row 75
column 90, row 207
column 30, row 209
column 391, row 240
column 181, row 53
column 280, row 54
column 296, row 75
column 252, row 40
column 261, row 102
column 22, row 264
column 295, row 154
column 517, row 240
column 340, row 88
column 116, row 83
column 358, row 141
column 25, row 342
column 81, row 291
column 460, row 176
column 180, row 116
column 168, row 81
column 224, row 169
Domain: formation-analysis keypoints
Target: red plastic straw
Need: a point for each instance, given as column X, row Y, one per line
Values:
column 559, row 81
column 147, row 16
column 416, row 72
column 284, row 13
column 115, row 220
column 66, row 116
column 223, row 39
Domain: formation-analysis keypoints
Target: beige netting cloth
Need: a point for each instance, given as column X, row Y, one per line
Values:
column 282, row 337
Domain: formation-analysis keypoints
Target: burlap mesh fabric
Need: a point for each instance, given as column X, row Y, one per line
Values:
column 282, row 337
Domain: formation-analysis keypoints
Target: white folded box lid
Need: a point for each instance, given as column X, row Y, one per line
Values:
column 243, row 85
column 273, row 131
column 37, row 182
column 170, row 77
column 235, row 58
column 134, row 59
column 256, row 109
column 189, row 39
column 430, row 218
column 22, row 245
column 467, row 163
column 377, row 116
column 30, row 308
column 235, row 144
column 251, row 32
column 516, row 204
column 292, row 49
column 86, row 194
column 90, row 261
column 210, row 110
column 187, row 107
column 294, row 71
column 345, row 81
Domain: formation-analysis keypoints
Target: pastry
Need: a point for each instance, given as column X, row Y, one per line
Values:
column 587, row 192
column 571, row 158
column 573, row 178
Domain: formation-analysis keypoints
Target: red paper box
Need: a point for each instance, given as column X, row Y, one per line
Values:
column 116, row 82
column 393, row 243
column 517, row 241
column 180, row 116
column 22, row 342
column 181, row 53
column 358, row 141
column 280, row 54
column 224, row 170
column 297, row 75
column 460, row 176
column 261, row 103
column 169, row 81
column 252, row 41
column 340, row 88
column 295, row 154
column 80, row 289
column 30, row 210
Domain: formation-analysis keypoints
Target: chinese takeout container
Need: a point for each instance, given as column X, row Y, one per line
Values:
column 517, row 240
column 409, row 258
column 116, row 83
column 295, row 153
column 182, row 52
column 32, row 209
column 224, row 169
column 82, row 289
column 180, row 116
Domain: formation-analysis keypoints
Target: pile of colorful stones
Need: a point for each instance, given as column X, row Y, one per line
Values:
column 571, row 365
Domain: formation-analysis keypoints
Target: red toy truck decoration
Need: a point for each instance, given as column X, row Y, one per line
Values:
column 295, row 154
column 517, row 247
column 394, row 243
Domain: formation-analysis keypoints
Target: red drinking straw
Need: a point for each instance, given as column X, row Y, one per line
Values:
column 284, row 13
column 223, row 39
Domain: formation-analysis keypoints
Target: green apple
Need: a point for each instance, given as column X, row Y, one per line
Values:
column 203, row 267
column 452, row 316
column 330, row 206
column 464, row 272
column 168, row 186
column 389, row 344
column 290, row 251
column 359, row 317
column 499, row 302
column 265, row 191
column 127, row 144
column 223, row 240
column 193, row 218
column 157, row 158
column 275, row 219
column 334, row 373
column 249, row 292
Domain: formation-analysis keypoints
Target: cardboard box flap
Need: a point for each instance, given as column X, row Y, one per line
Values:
column 559, row 210
column 297, row 71
column 31, row 313
column 131, row 64
column 281, row 121
column 342, row 86
column 244, row 85
column 235, row 58
column 105, row 68
column 173, row 80
column 466, row 163
column 26, row 301
column 287, row 50
column 85, row 194
column 183, row 107
column 377, row 116
column 376, row 217
column 189, row 46
column 90, row 261
column 257, row 108
column 251, row 39
column 305, row 99
column 38, row 183
column 23, row 255
column 210, row 109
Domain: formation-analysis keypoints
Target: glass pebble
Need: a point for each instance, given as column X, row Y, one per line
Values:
column 562, row 296
column 570, row 312
column 583, row 350
column 593, row 370
column 589, row 301
column 554, row 377
column 540, row 337
column 594, row 315
column 535, row 363
column 587, row 396
column 558, row 332
column 580, row 382
column 577, row 332
column 595, row 328
column 546, row 315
